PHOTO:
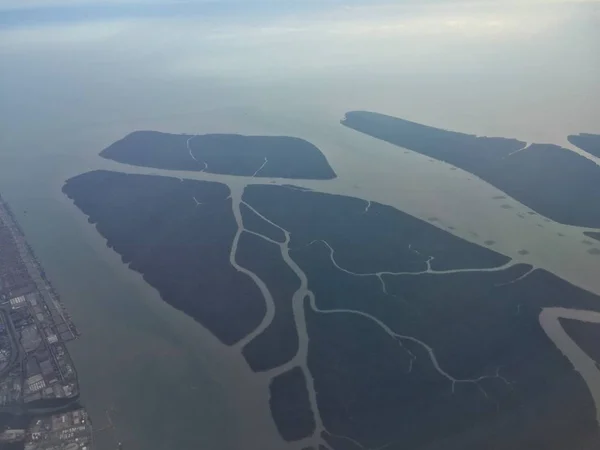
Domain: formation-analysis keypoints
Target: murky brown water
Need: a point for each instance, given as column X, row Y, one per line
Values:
column 161, row 378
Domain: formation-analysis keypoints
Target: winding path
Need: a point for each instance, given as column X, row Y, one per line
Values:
column 582, row 363
column 400, row 337
column 187, row 144
column 549, row 317
column 301, row 358
column 549, row 320
column 260, row 168
column 236, row 201
column 428, row 270
column 303, row 293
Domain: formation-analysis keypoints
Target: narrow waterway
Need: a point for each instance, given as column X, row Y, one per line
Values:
column 133, row 343
column 581, row 361
column 150, row 376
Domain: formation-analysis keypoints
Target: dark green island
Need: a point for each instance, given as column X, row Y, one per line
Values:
column 587, row 142
column 417, row 339
column 555, row 182
column 228, row 154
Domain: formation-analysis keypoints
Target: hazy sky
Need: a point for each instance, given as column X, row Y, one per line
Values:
column 74, row 60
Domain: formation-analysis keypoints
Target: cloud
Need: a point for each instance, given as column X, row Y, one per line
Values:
column 33, row 4
column 326, row 27
column 387, row 38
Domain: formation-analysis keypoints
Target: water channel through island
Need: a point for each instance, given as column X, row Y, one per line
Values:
column 152, row 377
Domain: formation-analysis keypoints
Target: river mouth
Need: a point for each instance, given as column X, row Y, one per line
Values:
column 132, row 342
column 116, row 302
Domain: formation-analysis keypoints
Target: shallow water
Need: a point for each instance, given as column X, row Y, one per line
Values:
column 160, row 378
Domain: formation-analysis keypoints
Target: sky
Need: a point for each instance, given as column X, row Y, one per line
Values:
column 16, row 12
column 46, row 11
column 82, row 60
column 223, row 37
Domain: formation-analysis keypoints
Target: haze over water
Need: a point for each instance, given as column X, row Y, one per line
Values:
column 76, row 78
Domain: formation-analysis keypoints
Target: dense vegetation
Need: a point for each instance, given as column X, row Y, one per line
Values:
column 228, row 154
column 555, row 182
column 417, row 339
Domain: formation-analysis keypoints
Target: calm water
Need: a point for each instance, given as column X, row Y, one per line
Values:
column 71, row 90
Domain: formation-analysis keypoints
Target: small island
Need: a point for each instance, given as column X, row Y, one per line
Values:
column 226, row 154
column 555, row 182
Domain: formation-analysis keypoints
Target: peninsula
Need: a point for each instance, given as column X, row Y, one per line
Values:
column 555, row 182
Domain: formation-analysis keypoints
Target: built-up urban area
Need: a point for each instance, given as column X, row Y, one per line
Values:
column 38, row 381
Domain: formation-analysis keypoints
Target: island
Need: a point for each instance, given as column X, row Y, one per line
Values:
column 164, row 224
column 546, row 178
column 586, row 142
column 227, row 154
column 375, row 329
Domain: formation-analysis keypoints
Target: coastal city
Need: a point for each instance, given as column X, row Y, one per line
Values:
column 38, row 380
